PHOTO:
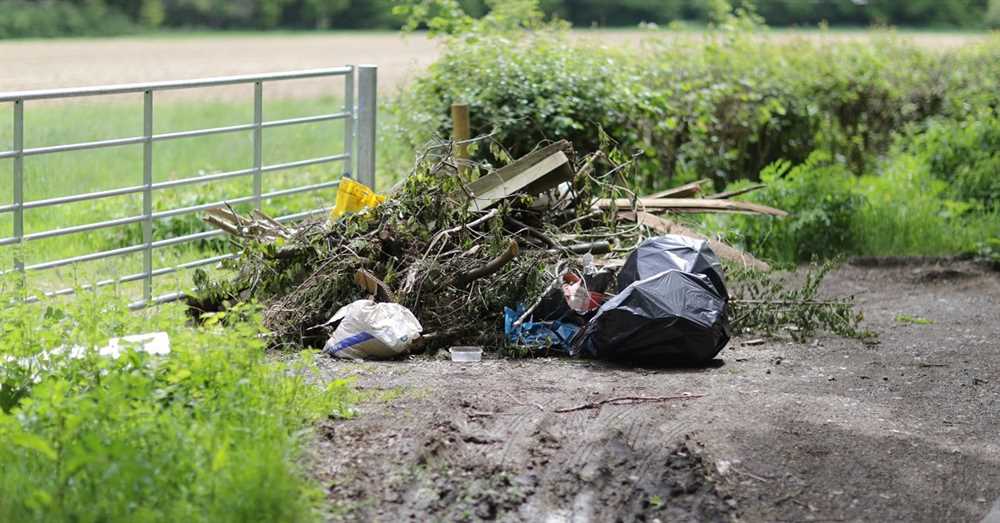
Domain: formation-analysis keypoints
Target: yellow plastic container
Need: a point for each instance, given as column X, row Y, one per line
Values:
column 353, row 197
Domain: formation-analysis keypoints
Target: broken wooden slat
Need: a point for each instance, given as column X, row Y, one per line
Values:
column 277, row 225
column 730, row 194
column 461, row 134
column 690, row 205
column 533, row 173
column 724, row 250
column 609, row 263
column 219, row 223
column 681, row 191
column 505, row 188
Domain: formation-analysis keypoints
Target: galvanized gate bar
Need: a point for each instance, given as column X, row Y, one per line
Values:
column 258, row 137
column 349, row 124
column 82, row 197
column 147, row 195
column 52, row 233
column 189, row 265
column 202, row 179
column 121, row 251
column 118, row 142
column 18, row 182
column 304, row 163
column 170, row 85
column 359, row 132
column 306, row 119
column 367, row 87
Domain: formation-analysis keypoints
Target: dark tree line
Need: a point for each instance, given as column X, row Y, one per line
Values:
column 69, row 17
column 920, row 13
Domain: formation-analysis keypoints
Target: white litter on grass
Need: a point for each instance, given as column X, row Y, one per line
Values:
column 154, row 343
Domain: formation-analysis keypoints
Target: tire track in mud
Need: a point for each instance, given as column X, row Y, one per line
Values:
column 610, row 449
column 484, row 458
column 515, row 433
column 508, row 461
column 602, row 432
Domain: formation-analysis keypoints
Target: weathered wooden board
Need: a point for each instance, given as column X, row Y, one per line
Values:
column 701, row 205
column 534, row 173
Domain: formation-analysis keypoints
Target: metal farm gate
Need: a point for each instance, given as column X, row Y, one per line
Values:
column 357, row 157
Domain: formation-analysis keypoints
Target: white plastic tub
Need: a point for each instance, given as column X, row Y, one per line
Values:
column 466, row 353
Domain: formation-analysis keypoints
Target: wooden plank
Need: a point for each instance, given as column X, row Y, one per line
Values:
column 681, row 191
column 724, row 250
column 507, row 172
column 702, row 205
column 499, row 187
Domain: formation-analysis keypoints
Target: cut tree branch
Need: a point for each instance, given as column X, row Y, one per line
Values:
column 493, row 266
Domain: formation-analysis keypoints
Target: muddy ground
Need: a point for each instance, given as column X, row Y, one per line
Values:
column 831, row 430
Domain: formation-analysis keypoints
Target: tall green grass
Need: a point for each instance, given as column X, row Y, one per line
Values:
column 899, row 209
column 212, row 431
column 909, row 212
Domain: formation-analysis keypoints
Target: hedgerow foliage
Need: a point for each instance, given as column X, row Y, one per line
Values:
column 723, row 106
column 875, row 147
column 964, row 153
column 926, row 197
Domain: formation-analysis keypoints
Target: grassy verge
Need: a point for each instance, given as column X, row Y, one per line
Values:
column 210, row 432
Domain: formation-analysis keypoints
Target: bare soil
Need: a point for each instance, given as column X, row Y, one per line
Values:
column 831, row 430
column 47, row 64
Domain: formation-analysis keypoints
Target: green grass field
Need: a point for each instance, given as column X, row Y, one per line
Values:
column 62, row 174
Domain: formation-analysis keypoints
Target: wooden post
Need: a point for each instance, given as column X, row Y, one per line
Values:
column 460, row 133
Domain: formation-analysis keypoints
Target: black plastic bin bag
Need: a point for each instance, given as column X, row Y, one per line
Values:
column 671, row 251
column 670, row 317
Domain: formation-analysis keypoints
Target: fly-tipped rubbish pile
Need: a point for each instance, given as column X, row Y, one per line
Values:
column 457, row 243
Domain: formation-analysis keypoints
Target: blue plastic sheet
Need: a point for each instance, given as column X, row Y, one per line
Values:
column 555, row 334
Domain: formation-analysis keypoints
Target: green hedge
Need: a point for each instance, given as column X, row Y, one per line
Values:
column 875, row 147
column 964, row 153
column 723, row 107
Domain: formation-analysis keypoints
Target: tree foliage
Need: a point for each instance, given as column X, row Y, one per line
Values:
column 78, row 17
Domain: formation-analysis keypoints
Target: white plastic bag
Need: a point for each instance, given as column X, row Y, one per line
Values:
column 370, row 330
column 157, row 343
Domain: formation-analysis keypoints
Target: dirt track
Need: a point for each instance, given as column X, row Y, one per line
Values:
column 44, row 64
column 833, row 430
